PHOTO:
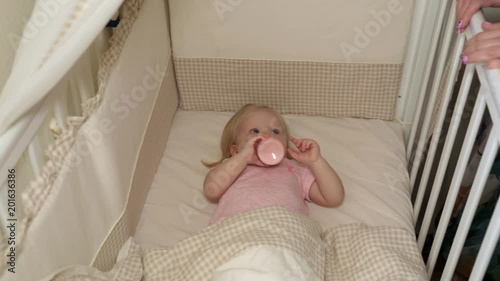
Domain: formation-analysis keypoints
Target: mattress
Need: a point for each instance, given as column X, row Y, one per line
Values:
column 368, row 155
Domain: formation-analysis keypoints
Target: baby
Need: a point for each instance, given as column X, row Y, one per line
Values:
column 240, row 182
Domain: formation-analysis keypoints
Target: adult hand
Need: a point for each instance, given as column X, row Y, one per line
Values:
column 484, row 47
column 467, row 8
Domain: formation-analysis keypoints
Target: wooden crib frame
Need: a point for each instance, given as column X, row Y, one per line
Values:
column 428, row 55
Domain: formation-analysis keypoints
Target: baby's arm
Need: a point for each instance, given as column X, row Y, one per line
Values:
column 220, row 178
column 327, row 190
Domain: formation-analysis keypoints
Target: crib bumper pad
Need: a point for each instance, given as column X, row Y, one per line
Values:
column 348, row 252
column 300, row 57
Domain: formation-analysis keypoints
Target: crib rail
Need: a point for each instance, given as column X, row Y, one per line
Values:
column 487, row 105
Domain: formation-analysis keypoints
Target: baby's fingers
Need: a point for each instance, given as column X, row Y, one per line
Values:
column 307, row 144
column 292, row 153
column 295, row 141
column 253, row 142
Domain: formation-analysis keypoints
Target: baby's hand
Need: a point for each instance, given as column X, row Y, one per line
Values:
column 308, row 153
column 249, row 151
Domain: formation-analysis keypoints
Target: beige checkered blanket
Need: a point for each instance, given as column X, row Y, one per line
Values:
column 128, row 267
column 348, row 252
column 197, row 257
column 361, row 252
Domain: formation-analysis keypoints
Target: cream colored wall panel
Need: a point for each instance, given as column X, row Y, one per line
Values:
column 314, row 30
column 152, row 147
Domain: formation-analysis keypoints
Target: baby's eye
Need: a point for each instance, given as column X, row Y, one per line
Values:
column 276, row 131
column 254, row 131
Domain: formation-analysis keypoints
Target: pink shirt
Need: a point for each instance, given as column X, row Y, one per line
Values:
column 286, row 184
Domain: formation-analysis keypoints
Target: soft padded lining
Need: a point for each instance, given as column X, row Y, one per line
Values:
column 369, row 156
column 372, row 31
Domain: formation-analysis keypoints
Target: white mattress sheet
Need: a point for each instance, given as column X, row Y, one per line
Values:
column 368, row 155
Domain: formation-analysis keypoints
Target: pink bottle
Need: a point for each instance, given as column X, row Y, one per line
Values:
column 270, row 151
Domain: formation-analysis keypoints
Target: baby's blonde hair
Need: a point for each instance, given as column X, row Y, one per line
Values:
column 229, row 133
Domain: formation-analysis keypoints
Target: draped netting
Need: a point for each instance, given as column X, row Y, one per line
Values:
column 36, row 194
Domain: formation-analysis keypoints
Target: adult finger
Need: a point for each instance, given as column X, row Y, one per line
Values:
column 484, row 55
column 468, row 10
column 475, row 45
column 483, row 40
column 460, row 9
column 493, row 64
column 488, row 26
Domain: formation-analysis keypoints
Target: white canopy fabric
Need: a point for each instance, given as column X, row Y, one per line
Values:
column 56, row 35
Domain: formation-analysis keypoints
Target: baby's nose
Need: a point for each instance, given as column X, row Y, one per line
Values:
column 265, row 134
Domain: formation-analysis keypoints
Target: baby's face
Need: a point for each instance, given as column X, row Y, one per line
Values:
column 263, row 122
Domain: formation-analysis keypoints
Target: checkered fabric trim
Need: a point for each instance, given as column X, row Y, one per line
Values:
column 106, row 257
column 292, row 87
column 35, row 195
column 360, row 252
column 128, row 268
column 197, row 257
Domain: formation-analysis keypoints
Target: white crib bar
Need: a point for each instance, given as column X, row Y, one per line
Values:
column 472, row 202
column 421, row 145
column 490, row 82
column 443, row 55
column 487, row 246
column 488, row 97
column 421, row 86
column 405, row 110
column 443, row 164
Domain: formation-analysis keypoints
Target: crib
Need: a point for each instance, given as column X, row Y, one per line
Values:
column 104, row 123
